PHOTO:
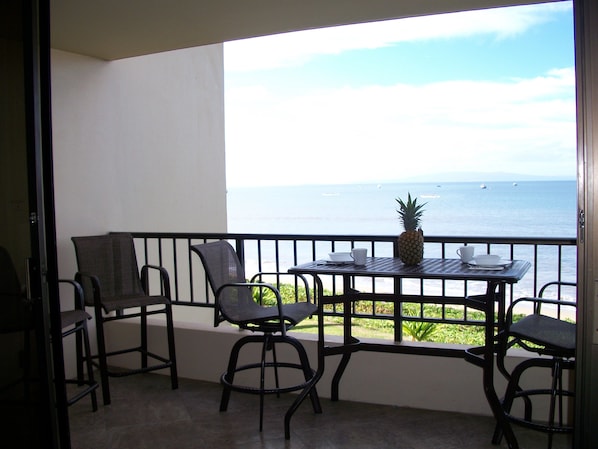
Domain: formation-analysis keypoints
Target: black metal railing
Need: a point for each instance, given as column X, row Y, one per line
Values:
column 552, row 259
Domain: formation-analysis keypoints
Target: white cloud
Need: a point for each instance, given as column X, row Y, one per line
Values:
column 353, row 134
column 294, row 49
column 392, row 132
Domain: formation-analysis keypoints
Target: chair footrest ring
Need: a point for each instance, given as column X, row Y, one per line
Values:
column 257, row 390
column 539, row 426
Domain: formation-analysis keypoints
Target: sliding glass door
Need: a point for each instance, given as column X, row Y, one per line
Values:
column 32, row 413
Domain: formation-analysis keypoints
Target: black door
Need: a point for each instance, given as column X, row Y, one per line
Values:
column 32, row 408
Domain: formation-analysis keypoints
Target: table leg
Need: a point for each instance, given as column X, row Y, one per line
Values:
column 337, row 376
column 488, row 363
column 347, row 337
column 319, row 288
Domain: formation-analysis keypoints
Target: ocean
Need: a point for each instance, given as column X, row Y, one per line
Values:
column 531, row 209
column 496, row 209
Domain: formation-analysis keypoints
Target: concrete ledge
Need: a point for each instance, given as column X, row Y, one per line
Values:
column 406, row 380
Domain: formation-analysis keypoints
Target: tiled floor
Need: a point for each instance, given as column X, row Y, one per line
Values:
column 146, row 413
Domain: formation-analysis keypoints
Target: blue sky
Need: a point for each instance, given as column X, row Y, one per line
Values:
column 479, row 91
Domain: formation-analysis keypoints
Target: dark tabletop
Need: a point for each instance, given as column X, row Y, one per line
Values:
column 427, row 269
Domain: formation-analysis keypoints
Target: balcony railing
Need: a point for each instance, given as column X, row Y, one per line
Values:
column 552, row 259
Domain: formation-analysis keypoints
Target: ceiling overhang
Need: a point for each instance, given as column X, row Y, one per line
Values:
column 115, row 29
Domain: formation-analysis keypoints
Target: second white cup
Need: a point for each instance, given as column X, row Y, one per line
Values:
column 465, row 253
column 359, row 255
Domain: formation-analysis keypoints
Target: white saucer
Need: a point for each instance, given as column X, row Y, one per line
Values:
column 339, row 258
column 500, row 263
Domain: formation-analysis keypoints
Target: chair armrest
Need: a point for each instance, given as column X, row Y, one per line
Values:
column 558, row 283
column 293, row 275
column 222, row 288
column 249, row 285
column 164, row 279
column 537, row 302
column 95, row 301
column 79, row 303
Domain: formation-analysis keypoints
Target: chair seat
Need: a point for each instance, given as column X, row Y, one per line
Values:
column 71, row 317
column 294, row 313
column 556, row 335
column 110, row 304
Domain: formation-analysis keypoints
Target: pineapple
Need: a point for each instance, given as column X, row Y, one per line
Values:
column 411, row 242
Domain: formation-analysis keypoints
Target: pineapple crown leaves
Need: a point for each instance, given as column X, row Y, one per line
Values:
column 410, row 213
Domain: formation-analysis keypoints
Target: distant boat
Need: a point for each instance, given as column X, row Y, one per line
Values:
column 483, row 186
column 515, row 184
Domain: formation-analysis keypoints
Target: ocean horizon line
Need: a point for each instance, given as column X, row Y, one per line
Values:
column 381, row 184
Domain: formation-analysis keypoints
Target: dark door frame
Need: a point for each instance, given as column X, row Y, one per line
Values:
column 586, row 61
column 49, row 427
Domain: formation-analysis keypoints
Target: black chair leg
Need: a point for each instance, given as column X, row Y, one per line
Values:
column 307, row 372
column 102, row 359
column 229, row 376
column 174, row 377
column 309, row 389
column 80, row 358
column 512, row 389
column 555, row 393
column 143, row 336
column 272, row 347
column 557, row 388
column 268, row 343
column 265, row 346
column 83, row 358
column 89, row 366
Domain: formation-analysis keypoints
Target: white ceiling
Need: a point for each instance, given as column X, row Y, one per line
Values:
column 114, row 29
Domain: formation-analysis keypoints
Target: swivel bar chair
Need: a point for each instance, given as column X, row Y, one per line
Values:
column 545, row 332
column 235, row 302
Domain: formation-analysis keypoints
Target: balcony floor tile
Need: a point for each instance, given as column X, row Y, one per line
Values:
column 146, row 413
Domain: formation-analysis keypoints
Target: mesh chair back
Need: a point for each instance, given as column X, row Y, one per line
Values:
column 223, row 267
column 111, row 258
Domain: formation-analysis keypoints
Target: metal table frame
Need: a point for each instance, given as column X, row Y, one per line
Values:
column 442, row 269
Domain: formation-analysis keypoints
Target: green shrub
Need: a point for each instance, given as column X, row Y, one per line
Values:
column 384, row 328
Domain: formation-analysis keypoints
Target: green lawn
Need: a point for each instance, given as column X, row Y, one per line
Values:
column 378, row 328
column 382, row 328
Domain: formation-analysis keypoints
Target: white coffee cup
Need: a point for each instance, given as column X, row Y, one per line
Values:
column 465, row 253
column 359, row 255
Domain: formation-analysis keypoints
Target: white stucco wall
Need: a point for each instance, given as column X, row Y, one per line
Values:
column 138, row 145
column 406, row 380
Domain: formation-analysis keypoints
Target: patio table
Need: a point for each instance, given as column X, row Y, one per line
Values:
column 442, row 269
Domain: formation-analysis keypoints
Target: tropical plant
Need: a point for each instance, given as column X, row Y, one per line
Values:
column 419, row 331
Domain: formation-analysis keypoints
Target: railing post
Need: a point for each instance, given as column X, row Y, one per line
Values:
column 240, row 249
